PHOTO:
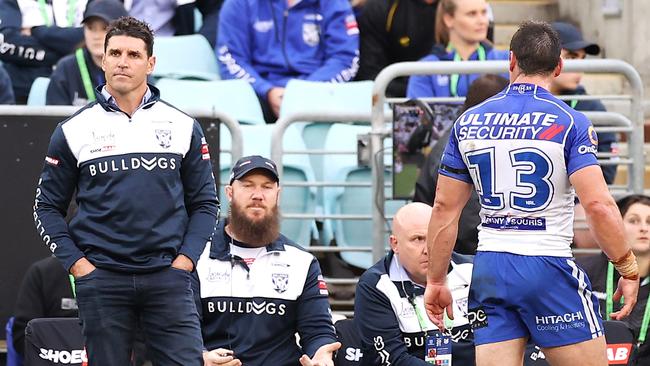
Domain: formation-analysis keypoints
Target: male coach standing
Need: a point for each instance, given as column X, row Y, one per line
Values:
column 147, row 207
column 525, row 151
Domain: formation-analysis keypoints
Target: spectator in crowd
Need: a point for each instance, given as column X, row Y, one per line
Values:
column 6, row 90
column 574, row 47
column 76, row 76
column 525, row 236
column 209, row 10
column 636, row 219
column 36, row 34
column 482, row 88
column 256, row 288
column 394, row 31
column 268, row 43
column 389, row 307
column 147, row 206
column 165, row 17
column 45, row 292
column 461, row 34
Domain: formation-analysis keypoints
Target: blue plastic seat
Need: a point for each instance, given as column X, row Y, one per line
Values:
column 38, row 91
column 311, row 96
column 185, row 57
column 354, row 200
column 235, row 97
column 296, row 168
column 323, row 97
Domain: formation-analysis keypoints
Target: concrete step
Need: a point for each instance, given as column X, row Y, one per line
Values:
column 604, row 84
column 515, row 11
column 503, row 34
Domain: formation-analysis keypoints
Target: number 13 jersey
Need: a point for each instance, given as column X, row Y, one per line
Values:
column 518, row 149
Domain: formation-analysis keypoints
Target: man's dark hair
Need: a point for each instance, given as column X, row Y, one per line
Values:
column 130, row 27
column 485, row 86
column 537, row 47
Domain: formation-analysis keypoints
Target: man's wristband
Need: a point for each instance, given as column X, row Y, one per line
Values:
column 627, row 266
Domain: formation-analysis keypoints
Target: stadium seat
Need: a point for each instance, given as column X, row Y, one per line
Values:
column 352, row 200
column 235, row 97
column 185, row 57
column 38, row 91
column 311, row 96
column 296, row 168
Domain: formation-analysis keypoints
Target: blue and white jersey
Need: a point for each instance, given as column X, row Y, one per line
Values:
column 144, row 186
column 519, row 148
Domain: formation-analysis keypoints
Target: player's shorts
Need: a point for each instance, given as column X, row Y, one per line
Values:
column 548, row 299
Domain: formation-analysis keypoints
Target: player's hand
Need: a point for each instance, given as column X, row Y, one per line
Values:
column 437, row 298
column 81, row 268
column 183, row 262
column 322, row 357
column 274, row 96
column 220, row 357
column 629, row 290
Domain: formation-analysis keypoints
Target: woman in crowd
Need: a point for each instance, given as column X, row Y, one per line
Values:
column 461, row 34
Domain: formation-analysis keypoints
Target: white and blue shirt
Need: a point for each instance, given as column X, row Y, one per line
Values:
column 519, row 148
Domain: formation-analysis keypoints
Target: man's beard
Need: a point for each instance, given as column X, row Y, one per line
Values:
column 255, row 232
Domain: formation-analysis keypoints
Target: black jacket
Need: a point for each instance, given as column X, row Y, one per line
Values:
column 45, row 293
column 66, row 86
column 394, row 31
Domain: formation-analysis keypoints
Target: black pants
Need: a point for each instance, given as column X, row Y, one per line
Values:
column 110, row 304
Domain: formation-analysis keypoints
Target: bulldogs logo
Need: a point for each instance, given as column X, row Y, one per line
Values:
column 280, row 282
column 164, row 138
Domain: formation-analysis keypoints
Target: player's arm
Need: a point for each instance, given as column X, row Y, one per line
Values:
column 605, row 222
column 451, row 196
column 602, row 214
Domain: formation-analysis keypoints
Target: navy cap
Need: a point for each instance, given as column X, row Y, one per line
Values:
column 107, row 10
column 572, row 40
column 246, row 164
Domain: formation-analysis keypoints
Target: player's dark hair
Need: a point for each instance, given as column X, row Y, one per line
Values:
column 537, row 47
column 131, row 27
column 627, row 201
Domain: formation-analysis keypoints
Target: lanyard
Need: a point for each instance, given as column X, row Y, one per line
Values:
column 453, row 82
column 609, row 301
column 85, row 75
column 72, row 7
column 74, row 290
column 418, row 314
column 646, row 319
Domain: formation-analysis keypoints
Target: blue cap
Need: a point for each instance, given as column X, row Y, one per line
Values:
column 572, row 40
column 247, row 164
column 107, row 10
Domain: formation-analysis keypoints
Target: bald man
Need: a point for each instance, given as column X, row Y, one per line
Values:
column 389, row 298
